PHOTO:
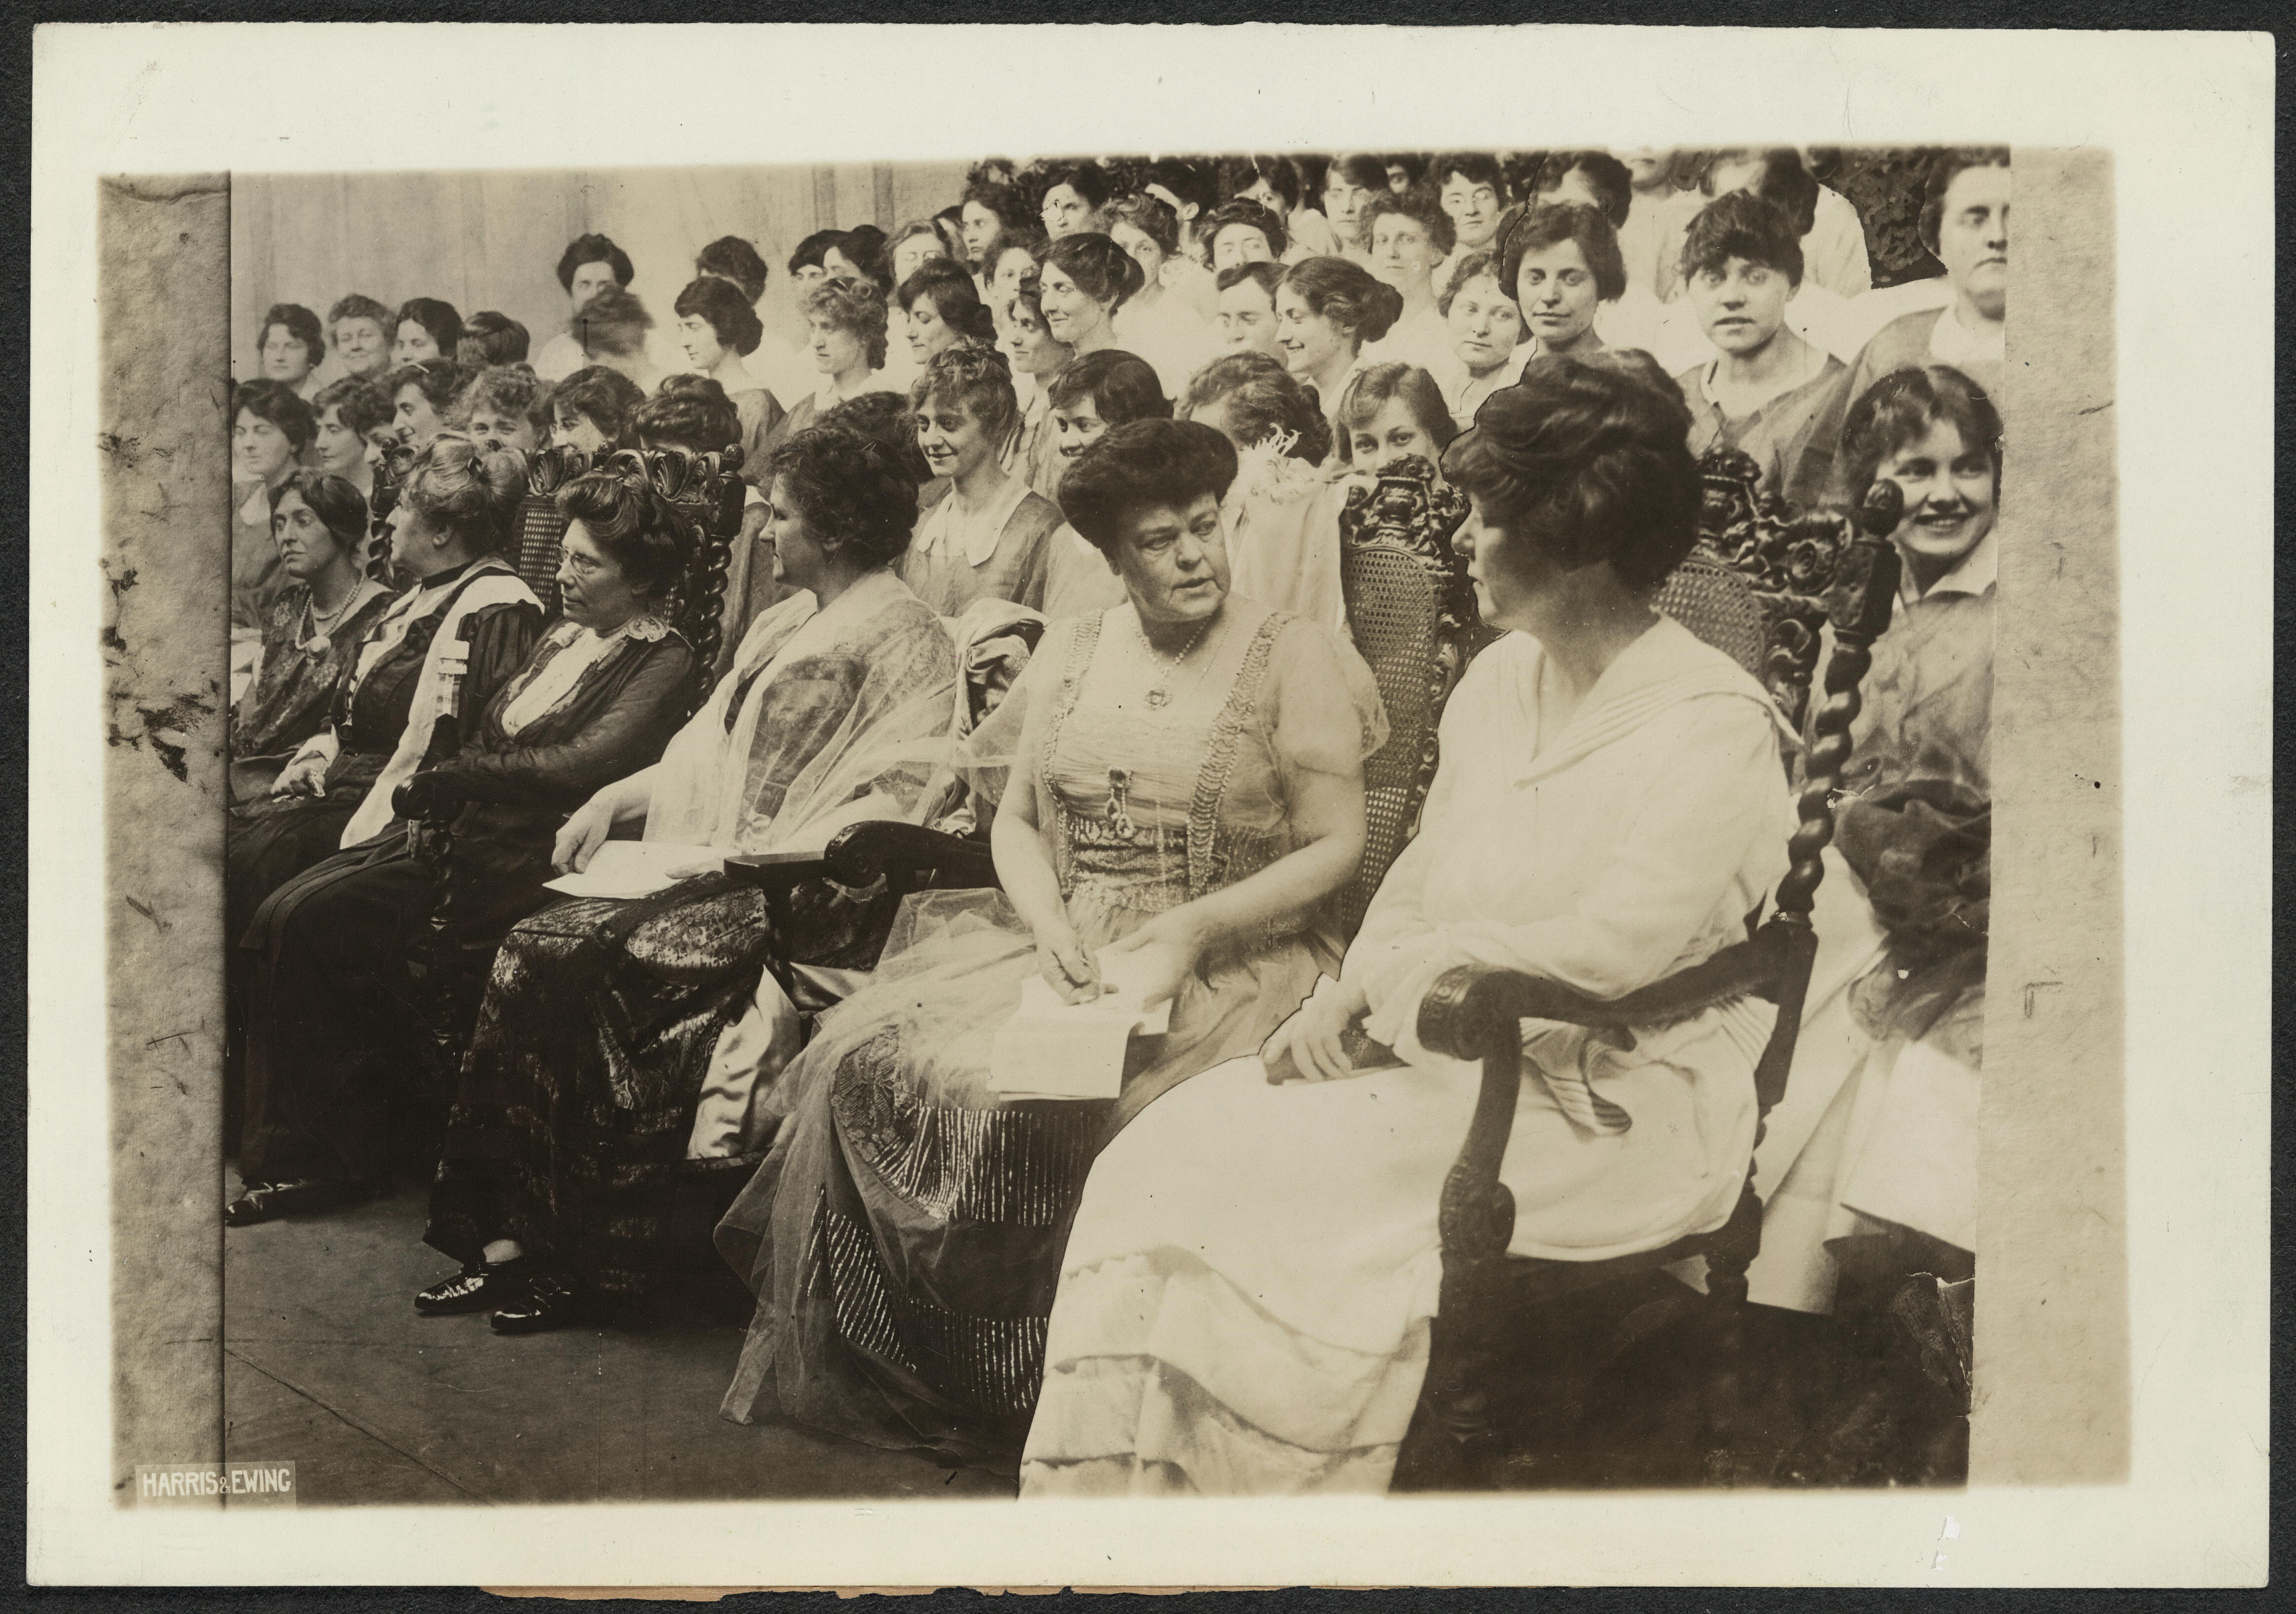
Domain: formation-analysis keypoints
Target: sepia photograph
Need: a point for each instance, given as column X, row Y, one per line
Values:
column 1119, row 817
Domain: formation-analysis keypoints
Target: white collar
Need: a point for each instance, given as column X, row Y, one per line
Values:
column 826, row 397
column 1952, row 342
column 1973, row 574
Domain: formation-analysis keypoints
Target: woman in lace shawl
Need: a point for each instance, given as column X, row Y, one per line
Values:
column 1186, row 788
column 336, row 1020
column 1284, row 515
column 582, row 1163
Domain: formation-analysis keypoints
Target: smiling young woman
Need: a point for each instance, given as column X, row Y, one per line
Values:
column 987, row 539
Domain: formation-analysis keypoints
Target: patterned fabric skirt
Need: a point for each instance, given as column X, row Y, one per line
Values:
column 904, row 1235
column 568, row 1133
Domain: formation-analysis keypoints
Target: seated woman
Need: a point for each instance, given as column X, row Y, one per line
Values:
column 1874, row 1151
column 1075, row 200
column 1283, row 514
column 270, row 428
column 1327, row 311
column 1244, row 1301
column 426, row 329
column 1410, row 236
column 422, row 395
column 1562, row 261
column 319, row 527
column 596, row 410
column 288, row 348
column 1083, row 283
column 505, row 408
column 1246, row 321
column 413, row 667
column 601, row 1080
column 718, row 330
column 1091, row 397
column 1186, row 788
column 1275, row 183
column 848, row 318
column 612, row 328
column 1488, row 349
column 1019, row 256
column 1389, row 412
column 360, row 331
column 986, row 539
column 1159, row 325
column 335, row 1019
column 491, row 338
column 352, row 419
column 1027, row 341
column 992, row 216
column 1241, row 232
column 943, row 309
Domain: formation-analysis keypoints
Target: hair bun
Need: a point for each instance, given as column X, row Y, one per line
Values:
column 1382, row 306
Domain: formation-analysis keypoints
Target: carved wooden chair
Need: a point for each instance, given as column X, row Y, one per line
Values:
column 1801, row 573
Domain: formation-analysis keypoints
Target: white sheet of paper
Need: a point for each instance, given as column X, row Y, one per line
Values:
column 637, row 868
column 1053, row 1050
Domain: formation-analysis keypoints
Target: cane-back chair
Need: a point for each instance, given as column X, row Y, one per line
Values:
column 1801, row 573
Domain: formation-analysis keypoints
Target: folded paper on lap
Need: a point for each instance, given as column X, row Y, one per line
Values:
column 638, row 868
column 1053, row 1050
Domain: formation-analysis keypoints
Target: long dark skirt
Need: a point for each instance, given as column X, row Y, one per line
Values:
column 578, row 1097
column 334, row 1021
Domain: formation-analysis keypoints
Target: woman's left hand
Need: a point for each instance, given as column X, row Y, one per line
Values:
column 1160, row 955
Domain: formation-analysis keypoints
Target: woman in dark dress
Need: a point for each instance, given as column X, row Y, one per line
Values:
column 334, row 1009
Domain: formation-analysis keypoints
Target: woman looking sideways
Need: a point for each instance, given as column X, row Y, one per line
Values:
column 1327, row 310
column 987, row 538
column 1036, row 358
column 718, row 330
column 352, row 418
column 1246, row 323
column 426, row 329
column 848, row 318
column 1155, row 321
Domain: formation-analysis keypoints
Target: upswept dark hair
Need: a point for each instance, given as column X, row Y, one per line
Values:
column 1002, row 200
column 363, row 405
column 1900, row 408
column 689, row 411
column 1782, row 181
column 1267, row 275
column 1262, row 398
column 609, row 399
column 1611, row 181
column 1740, row 224
column 1360, row 170
column 1586, row 462
column 850, row 490
column 1417, row 204
column 1088, row 180
column 857, row 306
column 1029, row 294
column 886, row 419
column 614, row 323
column 1240, row 174
column 302, row 325
column 1122, row 386
column 439, row 380
column 507, row 389
column 1101, row 269
column 1474, row 266
column 358, row 306
column 456, row 484
column 949, row 285
column 1950, row 164
column 1153, row 218
column 721, row 303
column 1476, row 168
column 1375, row 385
column 811, row 252
column 737, row 260
column 1550, row 223
column 438, row 319
column 978, row 378
column 275, row 402
column 1347, row 294
column 1249, row 215
column 593, row 250
column 489, row 338
column 1186, row 178
column 1170, row 464
column 640, row 530
column 864, row 247
column 341, row 508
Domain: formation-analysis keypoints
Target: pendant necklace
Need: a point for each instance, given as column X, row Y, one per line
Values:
column 321, row 640
column 1160, row 692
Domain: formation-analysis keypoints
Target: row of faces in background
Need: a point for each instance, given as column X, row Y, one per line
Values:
column 363, row 348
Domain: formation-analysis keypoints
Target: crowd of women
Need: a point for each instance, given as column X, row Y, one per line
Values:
column 1110, row 410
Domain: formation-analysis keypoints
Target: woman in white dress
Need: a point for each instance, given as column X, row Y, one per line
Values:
column 1283, row 512
column 1327, row 311
column 1159, row 325
column 1245, row 1298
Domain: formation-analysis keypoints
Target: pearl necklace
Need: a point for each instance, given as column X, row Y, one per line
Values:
column 321, row 631
column 1160, row 692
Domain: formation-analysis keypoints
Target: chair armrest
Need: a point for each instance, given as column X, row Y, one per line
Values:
column 911, row 855
column 1470, row 1012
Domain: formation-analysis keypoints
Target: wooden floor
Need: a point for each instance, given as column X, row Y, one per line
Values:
column 328, row 1365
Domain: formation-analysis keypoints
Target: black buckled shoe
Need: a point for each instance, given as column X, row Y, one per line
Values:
column 550, row 1302
column 268, row 1201
column 481, row 1286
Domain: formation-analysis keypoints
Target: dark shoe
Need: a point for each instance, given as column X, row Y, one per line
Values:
column 268, row 1201
column 481, row 1286
column 550, row 1302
